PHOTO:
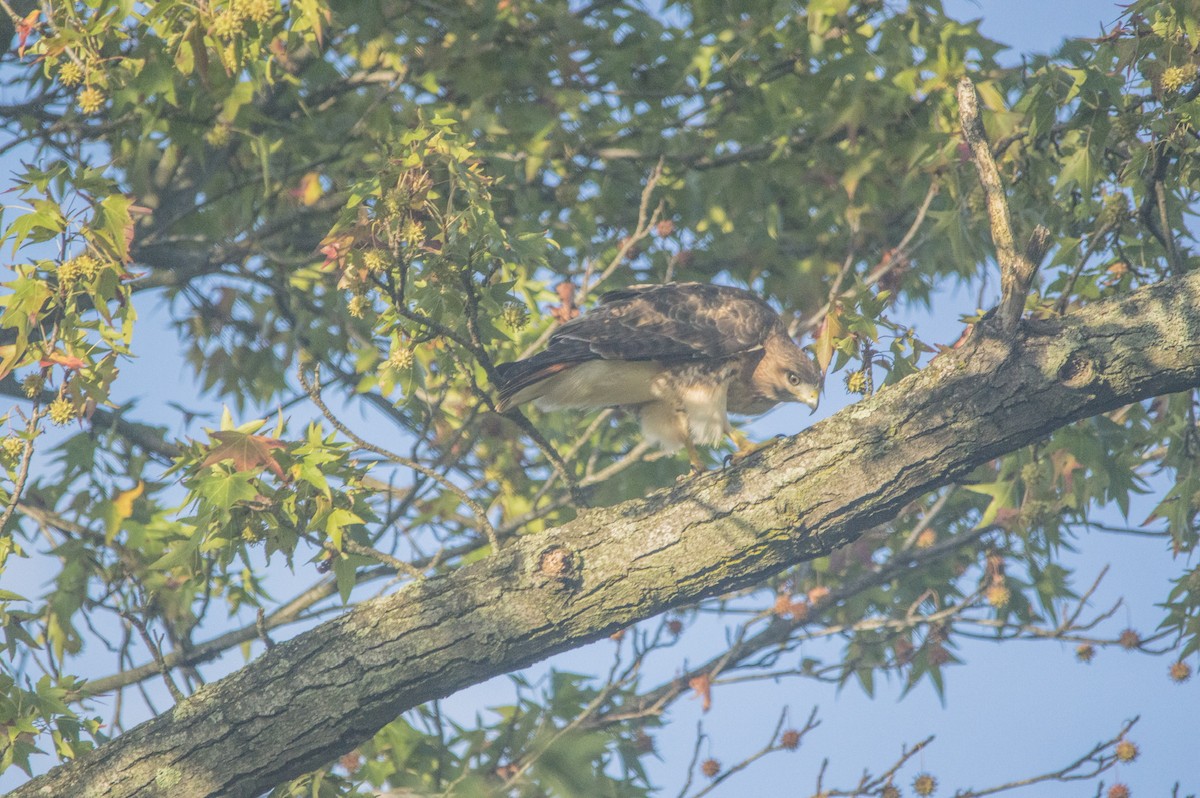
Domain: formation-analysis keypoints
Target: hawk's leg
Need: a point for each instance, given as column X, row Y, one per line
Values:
column 698, row 466
column 745, row 447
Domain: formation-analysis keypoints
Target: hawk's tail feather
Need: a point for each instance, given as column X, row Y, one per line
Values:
column 513, row 378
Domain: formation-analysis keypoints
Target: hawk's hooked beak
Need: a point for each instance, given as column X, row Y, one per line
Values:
column 812, row 399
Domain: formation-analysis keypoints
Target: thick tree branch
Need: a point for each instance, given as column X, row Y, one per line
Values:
column 318, row 695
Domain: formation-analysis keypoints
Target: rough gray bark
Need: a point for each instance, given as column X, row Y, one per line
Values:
column 318, row 695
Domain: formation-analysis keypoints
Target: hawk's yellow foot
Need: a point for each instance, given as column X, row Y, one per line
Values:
column 747, row 447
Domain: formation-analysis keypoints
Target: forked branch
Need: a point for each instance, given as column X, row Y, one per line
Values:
column 1016, row 268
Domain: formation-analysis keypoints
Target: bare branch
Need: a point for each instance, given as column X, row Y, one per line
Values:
column 1016, row 270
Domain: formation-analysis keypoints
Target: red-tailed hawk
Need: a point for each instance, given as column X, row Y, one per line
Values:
column 680, row 355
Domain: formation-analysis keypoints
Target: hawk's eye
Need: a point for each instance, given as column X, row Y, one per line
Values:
column 793, row 378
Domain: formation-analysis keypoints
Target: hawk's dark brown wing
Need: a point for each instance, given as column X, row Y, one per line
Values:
column 669, row 323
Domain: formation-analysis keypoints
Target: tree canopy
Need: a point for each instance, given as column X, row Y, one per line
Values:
column 350, row 212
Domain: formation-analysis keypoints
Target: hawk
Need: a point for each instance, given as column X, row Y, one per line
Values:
column 682, row 356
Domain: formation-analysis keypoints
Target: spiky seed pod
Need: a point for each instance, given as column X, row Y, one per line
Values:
column 1118, row 790
column 374, row 260
column 515, row 315
column 924, row 785
column 1180, row 671
column 401, row 358
column 62, row 411
column 998, row 596
column 11, row 448
column 357, row 306
column 1129, row 639
column 790, row 739
column 90, row 100
column 1085, row 652
column 31, row 385
column 70, row 73
column 710, row 768
column 1127, row 751
column 889, row 791
column 856, row 382
column 1176, row 77
column 260, row 10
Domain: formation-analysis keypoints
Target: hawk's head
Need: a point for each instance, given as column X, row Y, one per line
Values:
column 785, row 374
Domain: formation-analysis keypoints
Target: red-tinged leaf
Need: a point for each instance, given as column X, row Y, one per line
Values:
column 24, row 28
column 248, row 452
column 334, row 248
column 1065, row 466
column 702, row 685
column 68, row 362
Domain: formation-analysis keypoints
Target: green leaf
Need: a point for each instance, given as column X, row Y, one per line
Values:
column 1003, row 495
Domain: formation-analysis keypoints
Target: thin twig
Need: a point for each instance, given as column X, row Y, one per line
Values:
column 172, row 688
column 313, row 387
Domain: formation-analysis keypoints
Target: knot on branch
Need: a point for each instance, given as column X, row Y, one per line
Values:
column 559, row 566
column 1079, row 371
